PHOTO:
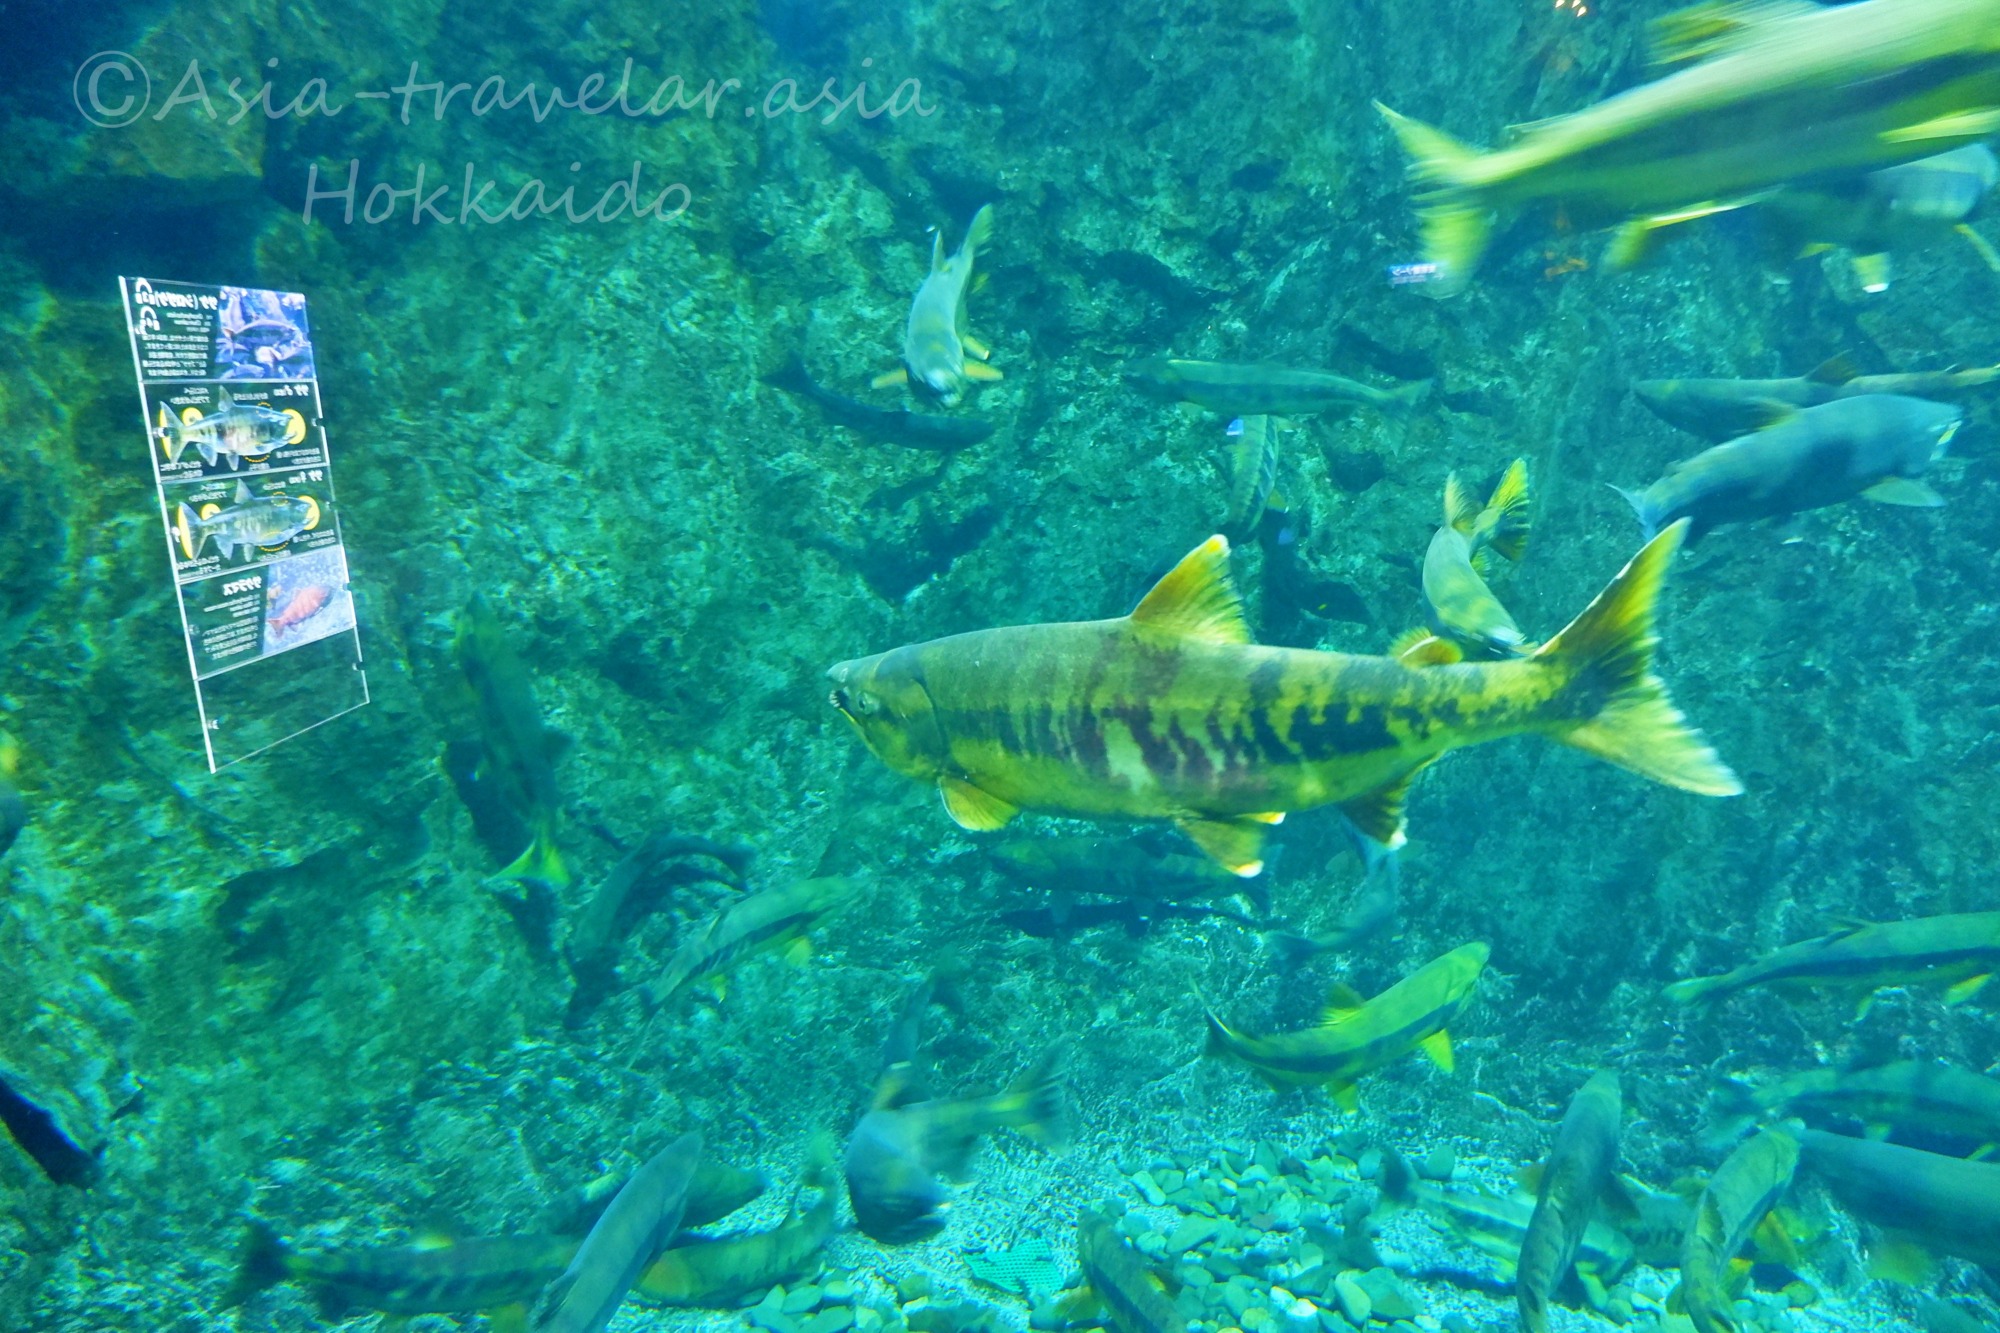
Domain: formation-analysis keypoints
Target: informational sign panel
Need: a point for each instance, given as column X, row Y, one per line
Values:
column 231, row 402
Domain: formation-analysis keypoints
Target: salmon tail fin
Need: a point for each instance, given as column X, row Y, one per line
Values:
column 1461, row 511
column 1456, row 232
column 1407, row 398
column 1042, row 1094
column 1218, row 1036
column 978, row 232
column 1506, row 523
column 1606, row 656
column 541, row 861
column 263, row 1263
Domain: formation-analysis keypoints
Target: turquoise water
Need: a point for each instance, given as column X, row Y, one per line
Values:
column 315, row 989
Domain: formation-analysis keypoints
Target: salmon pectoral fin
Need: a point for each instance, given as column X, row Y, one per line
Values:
column 982, row 373
column 971, row 808
column 1237, row 845
column 900, row 375
column 1606, row 656
column 1346, row 1096
column 1906, row 491
column 976, row 347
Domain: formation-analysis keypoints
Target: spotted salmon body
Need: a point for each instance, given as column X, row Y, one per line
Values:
column 1171, row 713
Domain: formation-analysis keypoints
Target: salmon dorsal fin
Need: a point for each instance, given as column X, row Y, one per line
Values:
column 1197, row 599
column 1343, row 1002
column 1710, row 29
column 1837, row 369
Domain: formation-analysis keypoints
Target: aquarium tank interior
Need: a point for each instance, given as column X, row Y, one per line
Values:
column 971, row 666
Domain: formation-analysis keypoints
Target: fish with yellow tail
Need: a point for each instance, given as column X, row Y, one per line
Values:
column 1577, row 1175
column 1772, row 93
column 1172, row 713
column 936, row 345
column 719, row 1273
column 1457, row 602
column 1733, row 1205
column 1961, row 949
column 1119, row 1282
column 1357, row 1036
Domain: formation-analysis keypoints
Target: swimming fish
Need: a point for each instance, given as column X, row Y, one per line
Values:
column 901, row 1145
column 1875, row 446
column 517, row 750
column 717, row 1190
column 1172, row 713
column 1895, row 208
column 1497, row 1226
column 718, row 1273
column 1778, row 92
column 1920, row 1096
column 1253, row 473
column 1371, row 913
column 1355, row 1037
column 1247, row 389
column 772, row 919
column 233, row 430
column 935, row 341
column 1575, row 1178
column 250, row 520
column 1458, row 604
column 1961, row 949
column 1116, row 1278
column 1719, row 410
column 1944, row 1203
column 487, row 1273
column 636, row 1226
column 919, row 430
column 1745, row 1188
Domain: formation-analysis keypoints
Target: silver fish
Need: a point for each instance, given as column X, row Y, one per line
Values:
column 251, row 520
column 233, row 430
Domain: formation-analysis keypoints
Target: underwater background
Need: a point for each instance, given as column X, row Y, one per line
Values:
column 298, row 989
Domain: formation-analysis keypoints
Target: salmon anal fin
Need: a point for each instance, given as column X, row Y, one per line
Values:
column 971, row 808
column 1237, row 845
column 979, row 370
column 1437, row 1047
column 1378, row 815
